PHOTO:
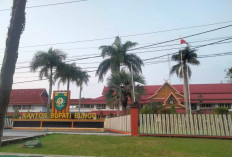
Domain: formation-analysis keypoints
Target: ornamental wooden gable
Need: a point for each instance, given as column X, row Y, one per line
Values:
column 166, row 94
column 172, row 100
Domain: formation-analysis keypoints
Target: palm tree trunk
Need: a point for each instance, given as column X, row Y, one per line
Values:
column 80, row 98
column 16, row 28
column 50, row 92
column 186, row 89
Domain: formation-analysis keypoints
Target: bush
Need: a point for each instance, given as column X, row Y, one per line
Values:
column 146, row 110
column 221, row 110
column 155, row 106
column 164, row 111
column 173, row 109
column 16, row 114
column 111, row 115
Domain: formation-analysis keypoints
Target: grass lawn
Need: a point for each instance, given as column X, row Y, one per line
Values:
column 112, row 146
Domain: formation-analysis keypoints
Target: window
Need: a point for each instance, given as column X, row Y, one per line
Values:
column 86, row 106
column 112, row 106
column 101, row 106
column 225, row 105
column 26, row 107
column 17, row 106
column 206, row 106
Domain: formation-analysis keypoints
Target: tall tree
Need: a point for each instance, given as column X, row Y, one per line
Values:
column 83, row 79
column 47, row 61
column 66, row 73
column 117, row 56
column 17, row 25
column 229, row 74
column 120, row 88
column 185, row 57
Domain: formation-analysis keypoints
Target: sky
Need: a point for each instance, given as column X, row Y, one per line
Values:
column 81, row 22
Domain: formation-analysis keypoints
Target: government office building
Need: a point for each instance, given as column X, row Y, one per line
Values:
column 203, row 98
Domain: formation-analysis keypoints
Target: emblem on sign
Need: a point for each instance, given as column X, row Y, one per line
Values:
column 60, row 100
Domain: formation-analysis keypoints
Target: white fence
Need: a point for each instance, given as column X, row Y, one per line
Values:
column 122, row 123
column 8, row 123
column 183, row 124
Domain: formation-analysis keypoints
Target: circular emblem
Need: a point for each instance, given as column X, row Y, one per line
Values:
column 60, row 102
column 171, row 101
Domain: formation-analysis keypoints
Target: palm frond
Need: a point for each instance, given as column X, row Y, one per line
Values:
column 103, row 68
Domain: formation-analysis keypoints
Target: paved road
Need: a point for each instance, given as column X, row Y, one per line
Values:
column 24, row 133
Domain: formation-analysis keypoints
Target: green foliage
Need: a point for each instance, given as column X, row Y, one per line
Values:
column 155, row 106
column 146, row 110
column 188, row 57
column 173, row 109
column 221, row 110
column 164, row 111
column 111, row 115
column 120, row 87
column 229, row 74
column 16, row 114
column 116, row 56
column 47, row 60
column 70, row 72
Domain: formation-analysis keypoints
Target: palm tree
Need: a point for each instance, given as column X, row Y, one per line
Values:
column 189, row 57
column 120, row 88
column 66, row 73
column 17, row 24
column 47, row 61
column 117, row 56
column 83, row 79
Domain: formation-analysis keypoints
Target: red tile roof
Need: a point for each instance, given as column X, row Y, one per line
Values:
column 28, row 97
column 99, row 100
column 211, row 93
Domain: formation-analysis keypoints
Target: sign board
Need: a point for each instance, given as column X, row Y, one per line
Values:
column 60, row 102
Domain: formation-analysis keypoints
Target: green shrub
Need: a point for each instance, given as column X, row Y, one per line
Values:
column 221, row 110
column 111, row 115
column 146, row 110
column 155, row 106
column 173, row 109
column 164, row 111
column 16, row 114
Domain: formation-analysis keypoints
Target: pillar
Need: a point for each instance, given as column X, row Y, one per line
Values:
column 134, row 119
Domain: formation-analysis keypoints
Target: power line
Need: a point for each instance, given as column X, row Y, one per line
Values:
column 46, row 5
column 178, row 52
column 197, row 41
column 161, row 31
column 188, row 36
column 200, row 40
column 198, row 46
column 199, row 57
column 149, row 63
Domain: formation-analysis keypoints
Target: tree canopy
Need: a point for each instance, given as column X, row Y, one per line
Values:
column 116, row 55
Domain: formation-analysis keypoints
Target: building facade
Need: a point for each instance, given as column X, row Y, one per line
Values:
column 203, row 98
column 32, row 100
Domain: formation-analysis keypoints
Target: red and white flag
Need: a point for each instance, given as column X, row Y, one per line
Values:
column 182, row 41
